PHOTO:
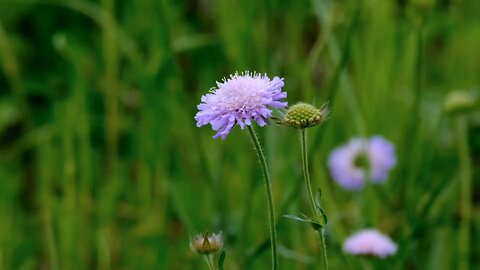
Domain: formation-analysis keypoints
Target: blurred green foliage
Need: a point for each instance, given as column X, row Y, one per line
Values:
column 102, row 167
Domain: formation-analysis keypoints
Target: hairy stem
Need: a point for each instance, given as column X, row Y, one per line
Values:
column 311, row 198
column 268, row 188
column 306, row 175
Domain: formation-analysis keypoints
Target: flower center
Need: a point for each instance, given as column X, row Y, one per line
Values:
column 243, row 94
column 361, row 161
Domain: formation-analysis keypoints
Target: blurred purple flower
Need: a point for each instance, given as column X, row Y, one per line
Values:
column 360, row 160
column 239, row 100
column 370, row 242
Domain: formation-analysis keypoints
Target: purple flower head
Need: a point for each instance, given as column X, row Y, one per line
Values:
column 239, row 100
column 360, row 160
column 370, row 242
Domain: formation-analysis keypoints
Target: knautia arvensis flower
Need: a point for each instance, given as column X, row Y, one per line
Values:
column 303, row 115
column 240, row 100
column 370, row 242
column 206, row 243
column 351, row 165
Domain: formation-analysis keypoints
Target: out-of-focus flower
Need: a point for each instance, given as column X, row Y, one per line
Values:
column 206, row 243
column 459, row 101
column 241, row 99
column 370, row 242
column 360, row 160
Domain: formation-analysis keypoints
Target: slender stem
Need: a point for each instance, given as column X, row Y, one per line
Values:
column 323, row 248
column 210, row 262
column 268, row 187
column 311, row 198
column 369, row 209
column 112, row 123
column 306, row 175
column 51, row 244
column 465, row 192
column 366, row 264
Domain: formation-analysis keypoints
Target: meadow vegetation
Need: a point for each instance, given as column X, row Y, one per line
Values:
column 102, row 165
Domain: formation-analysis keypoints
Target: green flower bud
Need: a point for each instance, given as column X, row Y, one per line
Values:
column 206, row 243
column 459, row 101
column 303, row 115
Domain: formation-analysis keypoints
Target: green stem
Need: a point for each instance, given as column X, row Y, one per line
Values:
column 50, row 239
column 111, row 59
column 311, row 198
column 306, row 175
column 369, row 209
column 210, row 262
column 465, row 193
column 268, row 187
column 323, row 248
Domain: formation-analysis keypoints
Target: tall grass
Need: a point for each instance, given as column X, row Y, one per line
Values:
column 102, row 167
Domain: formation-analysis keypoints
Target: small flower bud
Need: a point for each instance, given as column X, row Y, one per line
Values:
column 459, row 101
column 303, row 115
column 206, row 243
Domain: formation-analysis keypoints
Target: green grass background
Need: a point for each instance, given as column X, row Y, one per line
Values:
column 102, row 166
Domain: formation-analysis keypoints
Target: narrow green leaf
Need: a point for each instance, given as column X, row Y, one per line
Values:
column 315, row 224
column 296, row 218
column 318, row 197
column 221, row 259
column 323, row 217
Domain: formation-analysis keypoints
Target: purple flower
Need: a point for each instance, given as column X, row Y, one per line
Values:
column 360, row 160
column 239, row 100
column 370, row 242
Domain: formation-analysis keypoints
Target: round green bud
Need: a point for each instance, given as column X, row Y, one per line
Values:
column 303, row 115
column 459, row 101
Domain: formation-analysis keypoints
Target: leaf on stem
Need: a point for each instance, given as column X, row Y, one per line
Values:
column 321, row 214
column 221, row 259
column 315, row 224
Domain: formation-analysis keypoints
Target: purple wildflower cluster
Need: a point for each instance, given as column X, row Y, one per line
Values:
column 370, row 242
column 241, row 99
column 378, row 153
